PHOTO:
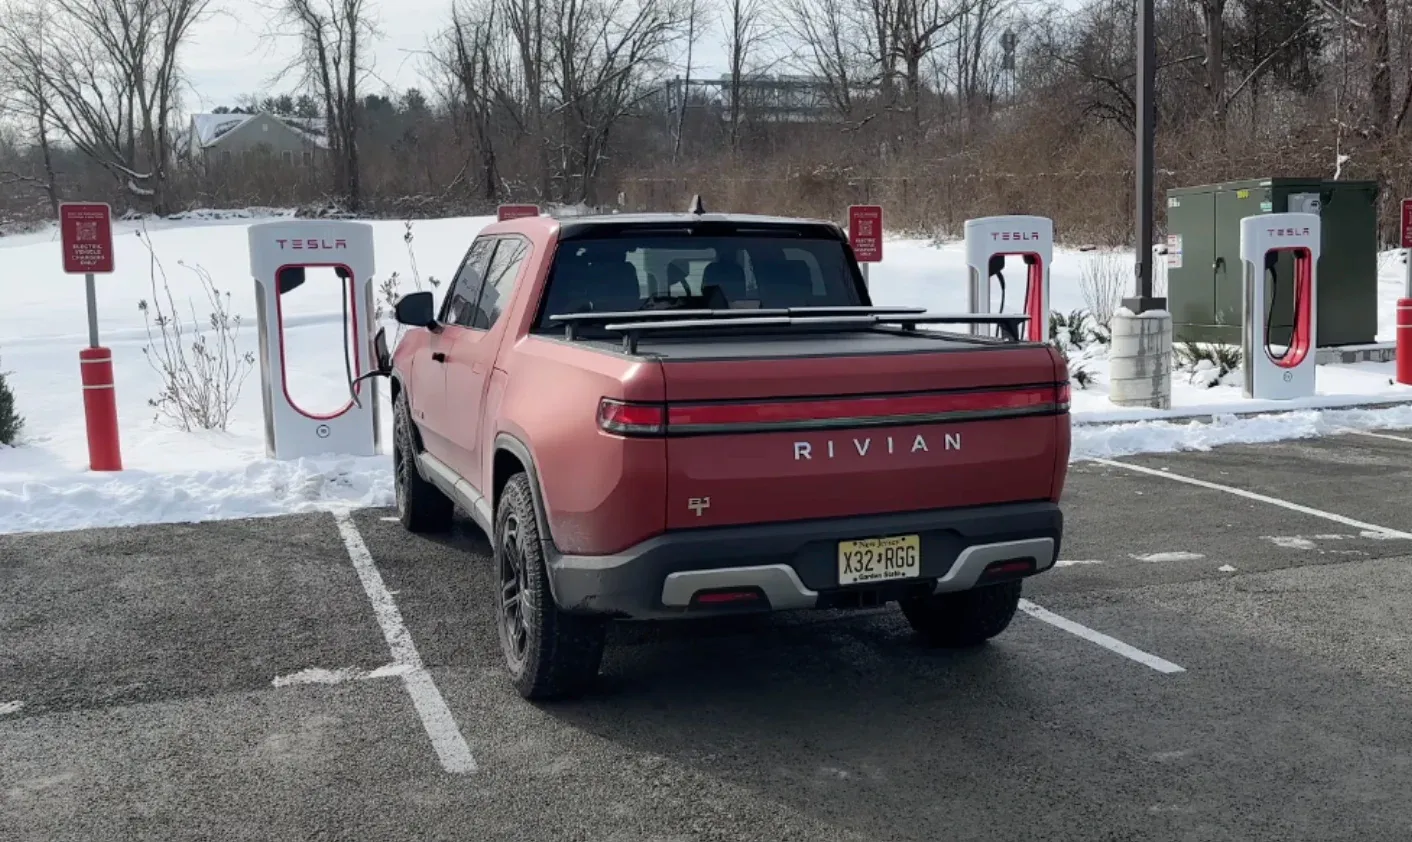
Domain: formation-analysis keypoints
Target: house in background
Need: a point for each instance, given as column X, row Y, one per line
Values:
column 232, row 138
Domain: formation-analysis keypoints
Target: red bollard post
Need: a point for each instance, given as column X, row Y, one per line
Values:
column 100, row 409
column 1404, row 341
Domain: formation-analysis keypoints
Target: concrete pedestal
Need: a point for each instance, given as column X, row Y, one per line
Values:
column 1140, row 359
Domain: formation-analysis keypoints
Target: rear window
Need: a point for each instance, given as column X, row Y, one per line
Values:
column 696, row 273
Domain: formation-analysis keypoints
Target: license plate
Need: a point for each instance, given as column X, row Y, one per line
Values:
column 879, row 559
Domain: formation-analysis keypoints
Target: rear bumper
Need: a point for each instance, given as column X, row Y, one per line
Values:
column 794, row 565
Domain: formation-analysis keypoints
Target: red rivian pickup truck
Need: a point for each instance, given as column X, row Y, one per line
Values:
column 676, row 415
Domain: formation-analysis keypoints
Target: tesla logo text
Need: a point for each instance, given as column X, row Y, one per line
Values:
column 1014, row 235
column 313, row 244
column 699, row 504
column 1287, row 232
column 867, row 446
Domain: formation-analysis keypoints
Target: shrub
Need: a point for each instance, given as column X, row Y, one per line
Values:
column 1077, row 330
column 1101, row 281
column 10, row 421
column 201, row 381
column 390, row 289
column 1207, row 365
column 1072, row 333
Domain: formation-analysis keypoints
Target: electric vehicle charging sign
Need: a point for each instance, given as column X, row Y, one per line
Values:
column 1407, row 223
column 86, row 234
column 865, row 224
column 505, row 212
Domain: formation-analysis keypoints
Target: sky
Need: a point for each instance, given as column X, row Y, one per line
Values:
column 229, row 55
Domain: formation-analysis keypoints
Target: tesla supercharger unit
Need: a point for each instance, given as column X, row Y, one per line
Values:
column 280, row 254
column 1262, row 239
column 989, row 241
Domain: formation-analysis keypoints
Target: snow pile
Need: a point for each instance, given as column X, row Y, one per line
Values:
column 174, row 475
column 1106, row 442
column 264, row 487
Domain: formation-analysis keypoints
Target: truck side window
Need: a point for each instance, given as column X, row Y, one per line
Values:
column 460, row 305
column 500, row 281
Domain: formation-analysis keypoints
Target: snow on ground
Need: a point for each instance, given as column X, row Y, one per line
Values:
column 173, row 475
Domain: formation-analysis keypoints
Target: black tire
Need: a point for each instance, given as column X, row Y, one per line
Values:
column 550, row 654
column 420, row 505
column 964, row 618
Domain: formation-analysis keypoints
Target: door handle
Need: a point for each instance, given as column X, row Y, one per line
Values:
column 438, row 356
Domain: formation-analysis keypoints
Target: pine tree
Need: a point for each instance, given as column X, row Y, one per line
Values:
column 10, row 420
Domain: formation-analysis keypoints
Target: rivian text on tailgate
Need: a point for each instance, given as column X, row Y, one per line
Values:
column 805, row 449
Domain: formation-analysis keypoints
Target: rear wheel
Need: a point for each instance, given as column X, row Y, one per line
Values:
column 549, row 653
column 963, row 618
column 420, row 505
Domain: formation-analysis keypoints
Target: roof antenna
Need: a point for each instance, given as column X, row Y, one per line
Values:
column 696, row 208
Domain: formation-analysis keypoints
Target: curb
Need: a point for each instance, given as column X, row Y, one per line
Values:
column 1209, row 417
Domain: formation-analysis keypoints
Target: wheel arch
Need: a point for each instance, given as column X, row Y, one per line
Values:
column 511, row 456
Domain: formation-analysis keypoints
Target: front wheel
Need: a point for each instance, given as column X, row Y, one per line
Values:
column 550, row 654
column 963, row 618
column 420, row 505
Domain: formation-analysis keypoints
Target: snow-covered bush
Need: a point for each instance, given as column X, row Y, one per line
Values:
column 200, row 363
column 1207, row 365
column 1073, row 334
column 10, row 421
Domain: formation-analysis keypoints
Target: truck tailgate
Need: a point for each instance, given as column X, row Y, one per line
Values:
column 779, row 439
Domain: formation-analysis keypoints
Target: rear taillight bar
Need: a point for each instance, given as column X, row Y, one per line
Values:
column 655, row 419
column 632, row 419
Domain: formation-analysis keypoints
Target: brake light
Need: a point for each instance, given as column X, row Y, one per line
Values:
column 632, row 419
column 818, row 412
column 1061, row 396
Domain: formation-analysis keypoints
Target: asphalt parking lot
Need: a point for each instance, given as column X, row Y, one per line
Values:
column 1223, row 655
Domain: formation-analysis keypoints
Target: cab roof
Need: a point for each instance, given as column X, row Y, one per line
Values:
column 686, row 224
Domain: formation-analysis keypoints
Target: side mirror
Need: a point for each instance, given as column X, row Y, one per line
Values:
column 416, row 309
column 289, row 278
column 380, row 353
column 997, row 265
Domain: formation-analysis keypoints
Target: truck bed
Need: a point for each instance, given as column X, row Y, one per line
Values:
column 843, row 343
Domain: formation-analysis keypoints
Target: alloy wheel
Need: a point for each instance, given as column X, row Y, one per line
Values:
column 515, row 608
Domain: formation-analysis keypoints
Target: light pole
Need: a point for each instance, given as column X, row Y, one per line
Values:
column 1143, row 300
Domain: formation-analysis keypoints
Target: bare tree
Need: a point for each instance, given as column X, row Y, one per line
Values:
column 471, row 40
column 693, row 16
column 334, row 37
column 25, row 95
column 743, row 36
column 921, row 28
column 109, row 74
column 522, row 81
column 827, row 44
column 604, row 54
column 977, row 26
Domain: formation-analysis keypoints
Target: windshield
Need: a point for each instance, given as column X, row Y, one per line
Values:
column 696, row 273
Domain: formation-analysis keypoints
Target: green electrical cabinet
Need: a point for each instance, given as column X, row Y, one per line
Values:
column 1205, row 277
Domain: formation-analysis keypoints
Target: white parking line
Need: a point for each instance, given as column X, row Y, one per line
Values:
column 446, row 737
column 318, row 675
column 1388, row 436
column 1109, row 643
column 7, row 708
column 1382, row 531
